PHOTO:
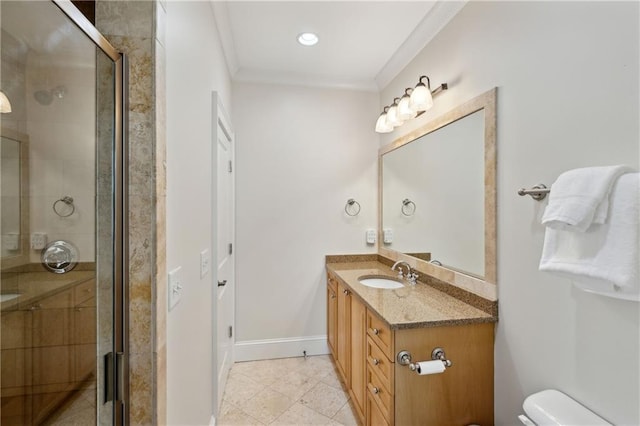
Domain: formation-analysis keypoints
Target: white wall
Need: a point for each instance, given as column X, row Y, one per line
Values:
column 300, row 153
column 195, row 68
column 568, row 97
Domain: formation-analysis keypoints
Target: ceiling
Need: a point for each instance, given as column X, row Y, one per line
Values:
column 363, row 44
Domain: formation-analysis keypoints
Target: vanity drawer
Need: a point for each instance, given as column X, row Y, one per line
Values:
column 379, row 363
column 379, row 394
column 374, row 416
column 380, row 333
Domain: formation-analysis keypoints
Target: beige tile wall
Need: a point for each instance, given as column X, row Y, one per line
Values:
column 136, row 29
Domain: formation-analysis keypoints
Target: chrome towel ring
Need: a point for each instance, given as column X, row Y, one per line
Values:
column 352, row 208
column 408, row 207
column 63, row 211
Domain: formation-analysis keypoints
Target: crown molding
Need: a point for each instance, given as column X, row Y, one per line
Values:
column 294, row 79
column 221, row 16
column 434, row 21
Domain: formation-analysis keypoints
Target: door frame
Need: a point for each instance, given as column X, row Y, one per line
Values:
column 220, row 123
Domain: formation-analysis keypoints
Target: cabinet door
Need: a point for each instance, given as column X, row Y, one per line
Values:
column 332, row 318
column 374, row 414
column 358, row 353
column 344, row 333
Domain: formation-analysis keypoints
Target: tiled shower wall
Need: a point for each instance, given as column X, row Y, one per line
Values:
column 136, row 29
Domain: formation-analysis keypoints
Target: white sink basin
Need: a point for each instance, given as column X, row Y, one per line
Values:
column 8, row 296
column 380, row 281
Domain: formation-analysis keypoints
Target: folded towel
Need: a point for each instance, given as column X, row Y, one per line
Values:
column 580, row 197
column 604, row 258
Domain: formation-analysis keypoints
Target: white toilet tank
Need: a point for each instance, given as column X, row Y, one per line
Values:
column 553, row 408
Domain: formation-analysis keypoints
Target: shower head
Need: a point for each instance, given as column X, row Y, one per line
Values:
column 45, row 97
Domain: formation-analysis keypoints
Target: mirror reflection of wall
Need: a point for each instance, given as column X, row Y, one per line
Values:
column 442, row 172
column 10, row 197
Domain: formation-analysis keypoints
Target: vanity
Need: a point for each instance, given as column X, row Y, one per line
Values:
column 437, row 208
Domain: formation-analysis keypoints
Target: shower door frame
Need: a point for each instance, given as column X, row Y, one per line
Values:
column 120, row 369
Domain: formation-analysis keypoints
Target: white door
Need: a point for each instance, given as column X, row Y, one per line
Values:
column 223, row 240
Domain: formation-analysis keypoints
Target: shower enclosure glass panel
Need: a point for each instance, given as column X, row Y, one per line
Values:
column 60, row 234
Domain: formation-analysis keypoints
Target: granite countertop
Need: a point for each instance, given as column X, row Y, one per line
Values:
column 31, row 287
column 408, row 307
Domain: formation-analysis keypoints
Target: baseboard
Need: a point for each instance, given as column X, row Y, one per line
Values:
column 212, row 422
column 252, row 350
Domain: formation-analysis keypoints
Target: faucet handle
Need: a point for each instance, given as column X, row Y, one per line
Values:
column 400, row 274
column 413, row 277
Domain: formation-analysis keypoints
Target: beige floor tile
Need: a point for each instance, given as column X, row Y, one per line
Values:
column 324, row 399
column 299, row 415
column 346, row 416
column 240, row 388
column 267, row 405
column 264, row 372
column 332, row 379
column 232, row 416
column 316, row 366
column 294, row 384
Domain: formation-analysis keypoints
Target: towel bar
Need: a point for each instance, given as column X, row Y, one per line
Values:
column 538, row 192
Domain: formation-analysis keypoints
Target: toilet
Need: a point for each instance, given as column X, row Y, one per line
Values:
column 551, row 407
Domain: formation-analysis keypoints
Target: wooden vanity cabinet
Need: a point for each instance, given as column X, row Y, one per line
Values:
column 386, row 393
column 332, row 315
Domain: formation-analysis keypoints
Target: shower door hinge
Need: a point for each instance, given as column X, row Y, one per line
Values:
column 114, row 377
column 230, row 167
column 230, row 248
column 230, row 331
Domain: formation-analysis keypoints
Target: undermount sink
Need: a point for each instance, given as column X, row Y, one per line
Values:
column 8, row 296
column 380, row 281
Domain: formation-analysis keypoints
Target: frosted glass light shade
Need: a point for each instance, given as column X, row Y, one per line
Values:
column 5, row 105
column 405, row 112
column 381, row 124
column 392, row 117
column 421, row 99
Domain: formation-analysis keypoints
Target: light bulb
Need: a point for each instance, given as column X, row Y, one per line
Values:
column 381, row 124
column 392, row 117
column 421, row 99
column 404, row 109
column 5, row 105
column 307, row 39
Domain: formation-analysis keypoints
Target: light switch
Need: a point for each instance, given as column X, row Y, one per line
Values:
column 175, row 287
column 371, row 236
column 205, row 263
column 387, row 236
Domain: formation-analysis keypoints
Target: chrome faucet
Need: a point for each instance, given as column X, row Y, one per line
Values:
column 401, row 263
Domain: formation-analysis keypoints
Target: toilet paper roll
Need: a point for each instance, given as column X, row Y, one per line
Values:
column 430, row 367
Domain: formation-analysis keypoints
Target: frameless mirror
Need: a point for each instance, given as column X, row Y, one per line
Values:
column 437, row 192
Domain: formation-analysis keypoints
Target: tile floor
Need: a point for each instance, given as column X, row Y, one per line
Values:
column 288, row 391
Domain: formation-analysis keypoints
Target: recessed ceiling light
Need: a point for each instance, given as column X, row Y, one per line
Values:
column 307, row 39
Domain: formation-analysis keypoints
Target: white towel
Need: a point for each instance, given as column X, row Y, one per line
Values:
column 580, row 197
column 604, row 258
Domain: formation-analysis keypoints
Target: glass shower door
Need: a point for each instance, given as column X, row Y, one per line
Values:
column 60, row 231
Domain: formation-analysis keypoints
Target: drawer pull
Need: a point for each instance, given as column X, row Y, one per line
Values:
column 376, row 361
column 333, row 296
column 346, row 292
column 375, row 390
column 375, row 331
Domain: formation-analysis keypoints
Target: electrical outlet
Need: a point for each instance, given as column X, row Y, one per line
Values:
column 387, row 236
column 205, row 263
column 175, row 287
column 38, row 240
column 371, row 236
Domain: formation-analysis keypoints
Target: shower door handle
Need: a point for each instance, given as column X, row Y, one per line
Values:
column 222, row 283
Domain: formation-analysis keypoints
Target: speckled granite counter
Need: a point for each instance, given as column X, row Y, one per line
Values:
column 28, row 288
column 409, row 307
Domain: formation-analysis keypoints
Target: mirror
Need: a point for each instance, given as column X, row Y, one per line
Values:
column 437, row 192
column 14, row 175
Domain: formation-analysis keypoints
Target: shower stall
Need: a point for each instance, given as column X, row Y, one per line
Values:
column 62, row 227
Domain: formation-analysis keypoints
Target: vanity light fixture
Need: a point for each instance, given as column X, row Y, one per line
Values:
column 413, row 103
column 307, row 39
column 5, row 105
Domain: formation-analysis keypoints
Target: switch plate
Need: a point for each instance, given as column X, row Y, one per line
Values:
column 387, row 236
column 38, row 240
column 175, row 287
column 205, row 263
column 371, row 236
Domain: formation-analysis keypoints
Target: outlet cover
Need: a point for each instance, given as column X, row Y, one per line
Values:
column 175, row 287
column 205, row 263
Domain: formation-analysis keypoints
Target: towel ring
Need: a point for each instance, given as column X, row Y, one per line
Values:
column 408, row 207
column 349, row 207
column 68, row 201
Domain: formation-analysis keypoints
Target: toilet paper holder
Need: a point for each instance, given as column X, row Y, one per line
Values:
column 404, row 358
